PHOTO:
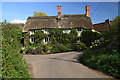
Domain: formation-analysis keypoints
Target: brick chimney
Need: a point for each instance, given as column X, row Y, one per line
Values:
column 59, row 10
column 87, row 11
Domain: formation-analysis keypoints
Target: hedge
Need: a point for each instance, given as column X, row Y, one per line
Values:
column 13, row 65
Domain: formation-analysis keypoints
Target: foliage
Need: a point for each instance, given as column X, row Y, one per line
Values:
column 81, row 46
column 60, row 42
column 38, row 50
column 57, row 36
column 26, row 39
column 105, row 56
column 73, row 36
column 12, row 64
column 100, row 59
column 39, row 36
column 71, row 46
column 28, row 50
column 58, row 48
column 37, row 14
column 113, row 36
column 89, row 36
column 47, row 48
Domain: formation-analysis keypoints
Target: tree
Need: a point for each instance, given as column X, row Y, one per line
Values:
column 114, row 35
column 37, row 14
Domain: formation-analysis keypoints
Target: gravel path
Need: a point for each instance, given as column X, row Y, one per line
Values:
column 61, row 65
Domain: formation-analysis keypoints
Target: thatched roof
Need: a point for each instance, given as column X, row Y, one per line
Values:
column 63, row 21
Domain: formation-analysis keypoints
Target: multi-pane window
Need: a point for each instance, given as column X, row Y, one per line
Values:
column 47, row 39
column 66, row 31
column 47, row 31
column 32, row 39
column 32, row 32
column 79, row 39
column 79, row 29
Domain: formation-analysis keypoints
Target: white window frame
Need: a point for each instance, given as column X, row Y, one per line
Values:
column 47, row 39
column 79, row 29
column 32, row 41
column 79, row 38
column 32, row 32
column 46, row 31
column 66, row 31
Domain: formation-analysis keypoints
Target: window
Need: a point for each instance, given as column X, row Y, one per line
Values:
column 32, row 32
column 79, row 39
column 47, row 39
column 66, row 31
column 32, row 39
column 79, row 29
column 70, row 23
column 47, row 31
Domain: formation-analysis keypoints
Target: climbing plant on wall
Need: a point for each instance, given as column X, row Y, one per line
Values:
column 39, row 36
column 57, row 36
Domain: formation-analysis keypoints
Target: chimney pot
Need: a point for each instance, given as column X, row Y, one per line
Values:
column 59, row 10
column 87, row 11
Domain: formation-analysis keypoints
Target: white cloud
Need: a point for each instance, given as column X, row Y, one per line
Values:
column 18, row 21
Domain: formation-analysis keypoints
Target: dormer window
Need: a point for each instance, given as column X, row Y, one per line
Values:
column 70, row 23
column 66, row 31
column 79, row 29
column 32, row 32
column 46, row 31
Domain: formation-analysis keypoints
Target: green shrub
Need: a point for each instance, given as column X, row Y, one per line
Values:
column 57, row 48
column 39, row 36
column 108, row 63
column 89, row 36
column 13, row 65
column 81, row 46
column 47, row 48
column 39, row 49
column 29, row 50
column 57, row 36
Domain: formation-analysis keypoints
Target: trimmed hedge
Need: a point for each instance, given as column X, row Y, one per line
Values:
column 89, row 36
column 13, row 65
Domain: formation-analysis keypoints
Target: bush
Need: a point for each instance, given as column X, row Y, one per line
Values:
column 106, row 56
column 13, row 65
column 81, row 46
column 57, row 36
column 108, row 63
column 28, row 50
column 47, row 48
column 89, row 36
column 39, row 36
column 57, row 48
column 38, row 50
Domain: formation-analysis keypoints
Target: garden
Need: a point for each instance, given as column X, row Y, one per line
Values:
column 60, row 42
column 104, row 54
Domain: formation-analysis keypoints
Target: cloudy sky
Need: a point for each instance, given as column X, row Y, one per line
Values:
column 20, row 11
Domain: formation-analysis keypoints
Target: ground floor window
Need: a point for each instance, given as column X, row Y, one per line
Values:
column 32, row 39
column 47, row 39
column 79, row 39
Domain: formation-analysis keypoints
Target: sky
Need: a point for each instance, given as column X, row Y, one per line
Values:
column 20, row 11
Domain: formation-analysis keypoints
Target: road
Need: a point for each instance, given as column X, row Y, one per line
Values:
column 61, row 65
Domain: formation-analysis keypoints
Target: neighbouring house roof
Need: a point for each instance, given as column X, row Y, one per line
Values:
column 62, row 21
column 104, row 26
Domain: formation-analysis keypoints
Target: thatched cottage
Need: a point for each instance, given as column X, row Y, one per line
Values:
column 65, row 22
